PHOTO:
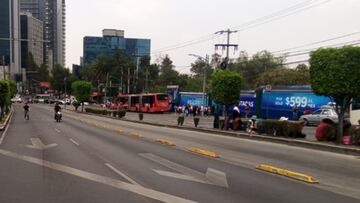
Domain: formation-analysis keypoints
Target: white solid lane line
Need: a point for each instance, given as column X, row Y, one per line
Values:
column 75, row 143
column 121, row 174
column 146, row 192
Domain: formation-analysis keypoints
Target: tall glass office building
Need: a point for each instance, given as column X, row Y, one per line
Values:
column 9, row 37
column 52, row 13
column 110, row 42
column 31, row 30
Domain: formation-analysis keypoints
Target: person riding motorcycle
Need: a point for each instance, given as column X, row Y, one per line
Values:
column 57, row 108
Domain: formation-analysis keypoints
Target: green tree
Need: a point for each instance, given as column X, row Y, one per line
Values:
column 12, row 87
column 42, row 73
column 335, row 72
column 225, row 87
column 252, row 68
column 284, row 76
column 5, row 96
column 82, row 91
column 117, row 66
column 60, row 77
column 168, row 76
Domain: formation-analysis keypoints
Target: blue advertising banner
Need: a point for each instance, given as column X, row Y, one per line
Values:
column 277, row 104
column 248, row 100
column 192, row 99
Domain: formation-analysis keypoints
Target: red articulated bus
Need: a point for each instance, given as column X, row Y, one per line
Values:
column 147, row 103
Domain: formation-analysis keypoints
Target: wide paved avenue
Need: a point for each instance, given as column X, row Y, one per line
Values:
column 92, row 159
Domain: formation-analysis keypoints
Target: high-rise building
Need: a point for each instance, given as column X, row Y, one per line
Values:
column 32, row 39
column 10, row 38
column 111, row 41
column 52, row 13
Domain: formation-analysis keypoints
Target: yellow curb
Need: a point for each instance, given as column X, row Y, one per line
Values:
column 203, row 152
column 288, row 173
column 165, row 142
column 119, row 130
column 135, row 134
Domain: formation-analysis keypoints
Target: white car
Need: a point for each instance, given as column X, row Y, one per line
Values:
column 16, row 99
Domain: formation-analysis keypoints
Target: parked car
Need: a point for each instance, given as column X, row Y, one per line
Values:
column 316, row 117
column 16, row 99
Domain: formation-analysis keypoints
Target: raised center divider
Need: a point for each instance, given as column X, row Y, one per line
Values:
column 203, row 152
column 287, row 173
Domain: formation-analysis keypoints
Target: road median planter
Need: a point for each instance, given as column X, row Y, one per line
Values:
column 104, row 112
column 222, row 123
column 141, row 116
column 288, row 129
column 196, row 121
column 180, row 120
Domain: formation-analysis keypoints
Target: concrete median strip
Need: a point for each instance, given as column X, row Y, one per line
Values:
column 165, row 142
column 203, row 152
column 287, row 173
column 135, row 134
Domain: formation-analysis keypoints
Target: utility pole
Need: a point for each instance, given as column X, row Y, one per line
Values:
column 121, row 80
column 128, row 81
column 206, row 60
column 106, row 87
column 3, row 63
column 65, row 92
column 146, row 79
column 204, row 81
column 136, row 82
column 227, row 45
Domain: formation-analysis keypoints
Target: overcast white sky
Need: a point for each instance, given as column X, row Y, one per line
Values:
column 172, row 22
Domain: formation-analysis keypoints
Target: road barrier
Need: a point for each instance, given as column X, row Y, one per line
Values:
column 203, row 152
column 287, row 173
column 165, row 142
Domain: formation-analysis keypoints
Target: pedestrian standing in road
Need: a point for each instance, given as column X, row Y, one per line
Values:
column 295, row 112
column 247, row 110
column 307, row 110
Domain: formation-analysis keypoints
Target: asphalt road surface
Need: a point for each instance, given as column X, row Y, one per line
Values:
column 92, row 159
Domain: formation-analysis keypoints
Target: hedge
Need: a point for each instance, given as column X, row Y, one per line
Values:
column 116, row 113
column 281, row 128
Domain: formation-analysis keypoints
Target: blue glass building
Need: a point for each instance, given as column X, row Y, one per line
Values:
column 9, row 37
column 112, row 41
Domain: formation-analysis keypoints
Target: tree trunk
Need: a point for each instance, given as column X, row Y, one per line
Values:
column 339, row 136
column 342, row 105
column 82, row 107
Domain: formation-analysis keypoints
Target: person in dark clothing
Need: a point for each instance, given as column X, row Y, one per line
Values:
column 57, row 108
column 26, row 111
column 247, row 110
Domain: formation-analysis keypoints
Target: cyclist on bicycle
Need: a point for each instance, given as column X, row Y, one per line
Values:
column 57, row 108
column 26, row 110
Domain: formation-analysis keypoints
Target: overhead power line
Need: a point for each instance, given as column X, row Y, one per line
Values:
column 317, row 42
column 308, row 51
column 253, row 23
column 276, row 13
column 282, row 16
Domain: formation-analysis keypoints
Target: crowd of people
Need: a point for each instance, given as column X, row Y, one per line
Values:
column 193, row 110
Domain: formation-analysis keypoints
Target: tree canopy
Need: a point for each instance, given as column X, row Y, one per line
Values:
column 335, row 72
column 225, row 87
column 81, row 90
column 284, row 76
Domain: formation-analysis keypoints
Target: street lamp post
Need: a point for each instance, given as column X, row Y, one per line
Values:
column 65, row 92
column 206, row 59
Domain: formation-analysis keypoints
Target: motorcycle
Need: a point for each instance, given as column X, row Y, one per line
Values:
column 58, row 116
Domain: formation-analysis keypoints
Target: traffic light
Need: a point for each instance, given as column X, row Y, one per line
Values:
column 224, row 64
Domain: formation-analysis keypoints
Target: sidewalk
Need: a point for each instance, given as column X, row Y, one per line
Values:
column 205, row 125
